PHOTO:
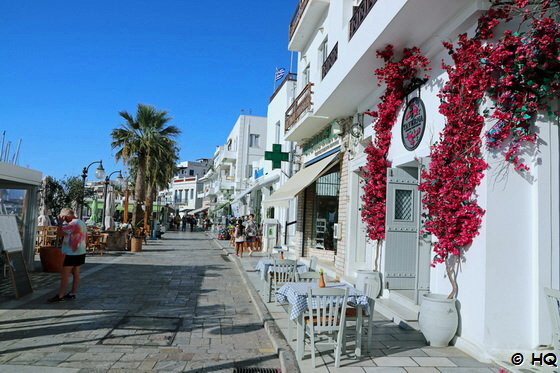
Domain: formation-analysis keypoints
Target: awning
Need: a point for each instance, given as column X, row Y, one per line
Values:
column 298, row 182
column 194, row 212
column 262, row 182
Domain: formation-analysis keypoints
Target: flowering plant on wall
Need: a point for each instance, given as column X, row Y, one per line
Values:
column 520, row 72
column 397, row 75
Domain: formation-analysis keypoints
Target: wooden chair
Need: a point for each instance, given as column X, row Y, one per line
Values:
column 367, row 327
column 313, row 263
column 308, row 277
column 553, row 300
column 326, row 314
column 283, row 271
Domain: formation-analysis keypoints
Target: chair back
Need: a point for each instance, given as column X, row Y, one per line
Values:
column 326, row 309
column 308, row 276
column 553, row 300
column 313, row 263
column 283, row 270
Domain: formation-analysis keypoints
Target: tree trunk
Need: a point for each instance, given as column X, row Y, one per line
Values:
column 149, row 207
column 139, row 192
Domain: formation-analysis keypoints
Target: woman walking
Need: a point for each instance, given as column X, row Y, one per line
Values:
column 239, row 238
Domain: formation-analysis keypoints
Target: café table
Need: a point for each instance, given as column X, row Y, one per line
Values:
column 295, row 294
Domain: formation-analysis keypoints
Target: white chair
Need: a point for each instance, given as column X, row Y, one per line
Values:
column 308, row 277
column 553, row 300
column 282, row 271
column 367, row 327
column 313, row 263
column 326, row 314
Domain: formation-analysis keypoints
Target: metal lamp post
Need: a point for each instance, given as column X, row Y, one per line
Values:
column 99, row 173
column 120, row 181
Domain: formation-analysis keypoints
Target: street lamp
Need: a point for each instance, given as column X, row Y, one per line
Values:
column 99, row 173
column 120, row 182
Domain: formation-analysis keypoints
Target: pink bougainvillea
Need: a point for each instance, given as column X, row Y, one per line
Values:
column 520, row 73
column 396, row 74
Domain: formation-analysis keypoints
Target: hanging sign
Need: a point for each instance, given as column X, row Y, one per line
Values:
column 413, row 123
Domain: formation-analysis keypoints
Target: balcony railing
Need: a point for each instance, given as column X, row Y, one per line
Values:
column 289, row 76
column 359, row 14
column 329, row 62
column 297, row 16
column 301, row 104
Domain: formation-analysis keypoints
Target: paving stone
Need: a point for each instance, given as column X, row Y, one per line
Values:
column 388, row 361
column 421, row 370
column 434, row 362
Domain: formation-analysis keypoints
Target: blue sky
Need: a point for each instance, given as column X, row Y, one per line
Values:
column 68, row 67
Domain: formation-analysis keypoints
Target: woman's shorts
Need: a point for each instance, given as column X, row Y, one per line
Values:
column 74, row 260
column 250, row 239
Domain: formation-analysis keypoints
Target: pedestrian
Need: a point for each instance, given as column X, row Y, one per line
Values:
column 250, row 233
column 177, row 221
column 184, row 220
column 191, row 223
column 239, row 238
column 74, row 250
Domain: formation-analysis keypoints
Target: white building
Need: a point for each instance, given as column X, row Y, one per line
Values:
column 233, row 162
column 183, row 192
column 516, row 255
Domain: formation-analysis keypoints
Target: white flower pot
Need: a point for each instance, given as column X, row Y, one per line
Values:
column 438, row 319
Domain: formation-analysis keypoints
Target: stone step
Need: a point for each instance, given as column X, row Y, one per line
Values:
column 396, row 312
column 404, row 301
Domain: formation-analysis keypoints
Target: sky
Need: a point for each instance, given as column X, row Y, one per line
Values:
column 67, row 68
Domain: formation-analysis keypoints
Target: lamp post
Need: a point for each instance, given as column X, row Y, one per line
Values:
column 120, row 181
column 99, row 173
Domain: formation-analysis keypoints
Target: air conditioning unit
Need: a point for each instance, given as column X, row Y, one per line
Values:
column 336, row 231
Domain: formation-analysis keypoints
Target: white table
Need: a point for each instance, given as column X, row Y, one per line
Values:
column 295, row 293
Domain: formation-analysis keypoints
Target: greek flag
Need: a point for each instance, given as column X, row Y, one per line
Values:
column 279, row 74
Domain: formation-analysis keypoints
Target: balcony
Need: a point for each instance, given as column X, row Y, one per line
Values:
column 301, row 104
column 304, row 22
column 329, row 62
column 359, row 14
column 289, row 77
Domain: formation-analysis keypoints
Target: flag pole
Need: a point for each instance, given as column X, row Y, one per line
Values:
column 275, row 71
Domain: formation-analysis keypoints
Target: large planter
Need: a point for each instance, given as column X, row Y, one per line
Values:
column 52, row 258
column 116, row 241
column 136, row 245
column 373, row 281
column 438, row 319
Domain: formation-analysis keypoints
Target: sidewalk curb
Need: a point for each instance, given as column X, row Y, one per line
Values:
column 286, row 354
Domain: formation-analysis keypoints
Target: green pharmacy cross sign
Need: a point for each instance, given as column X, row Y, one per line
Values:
column 277, row 156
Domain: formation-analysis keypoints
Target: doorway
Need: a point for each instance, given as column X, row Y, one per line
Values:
column 407, row 253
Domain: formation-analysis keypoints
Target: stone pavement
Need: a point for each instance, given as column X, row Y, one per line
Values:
column 179, row 306
column 395, row 350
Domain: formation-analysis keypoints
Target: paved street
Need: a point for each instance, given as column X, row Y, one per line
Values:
column 179, row 306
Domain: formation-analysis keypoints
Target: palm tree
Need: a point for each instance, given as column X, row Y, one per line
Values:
column 142, row 142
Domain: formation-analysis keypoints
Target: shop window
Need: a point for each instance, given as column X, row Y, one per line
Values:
column 326, row 209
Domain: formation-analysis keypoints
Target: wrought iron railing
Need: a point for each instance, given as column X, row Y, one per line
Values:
column 359, row 14
column 297, row 16
column 301, row 104
column 329, row 62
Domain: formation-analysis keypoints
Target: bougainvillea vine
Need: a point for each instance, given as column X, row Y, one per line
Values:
column 519, row 71
column 396, row 74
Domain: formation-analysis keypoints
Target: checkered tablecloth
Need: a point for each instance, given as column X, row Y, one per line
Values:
column 295, row 293
column 265, row 266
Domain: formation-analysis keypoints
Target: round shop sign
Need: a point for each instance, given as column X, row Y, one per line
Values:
column 413, row 123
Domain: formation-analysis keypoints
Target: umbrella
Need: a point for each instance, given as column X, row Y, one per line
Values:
column 110, row 210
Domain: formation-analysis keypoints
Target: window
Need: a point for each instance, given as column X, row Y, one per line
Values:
column 191, row 172
column 192, row 193
column 249, row 171
column 254, row 141
column 305, row 76
column 229, row 144
column 323, row 51
column 277, row 135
